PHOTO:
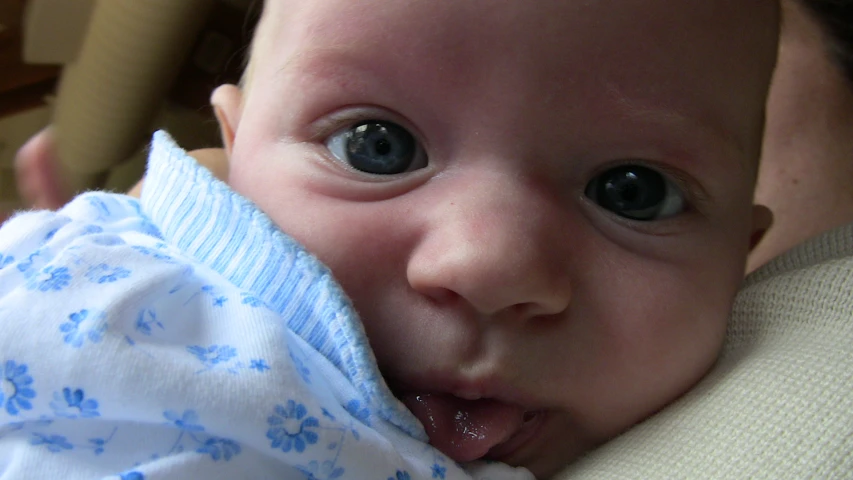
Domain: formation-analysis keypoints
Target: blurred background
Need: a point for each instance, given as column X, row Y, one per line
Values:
column 108, row 73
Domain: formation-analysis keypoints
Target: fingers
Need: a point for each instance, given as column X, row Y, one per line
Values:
column 36, row 172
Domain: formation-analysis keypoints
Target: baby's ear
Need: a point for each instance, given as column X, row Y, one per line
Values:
column 227, row 101
column 762, row 220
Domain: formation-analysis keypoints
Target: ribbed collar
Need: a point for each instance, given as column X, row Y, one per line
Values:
column 208, row 221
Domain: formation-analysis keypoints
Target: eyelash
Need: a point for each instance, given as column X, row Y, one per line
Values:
column 347, row 116
column 696, row 198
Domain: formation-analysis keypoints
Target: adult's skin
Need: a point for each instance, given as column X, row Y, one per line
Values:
column 807, row 161
column 39, row 187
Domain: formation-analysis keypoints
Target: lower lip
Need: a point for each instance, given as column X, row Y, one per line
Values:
column 528, row 430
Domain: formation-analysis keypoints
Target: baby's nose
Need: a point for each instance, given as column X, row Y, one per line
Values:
column 496, row 243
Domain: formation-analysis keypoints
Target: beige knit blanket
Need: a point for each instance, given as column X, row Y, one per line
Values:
column 779, row 403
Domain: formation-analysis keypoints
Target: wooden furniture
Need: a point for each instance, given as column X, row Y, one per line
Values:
column 21, row 86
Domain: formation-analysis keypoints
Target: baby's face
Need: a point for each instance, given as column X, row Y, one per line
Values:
column 543, row 205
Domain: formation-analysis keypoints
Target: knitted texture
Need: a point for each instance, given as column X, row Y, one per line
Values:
column 779, row 403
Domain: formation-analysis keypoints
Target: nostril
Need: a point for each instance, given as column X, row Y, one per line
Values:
column 537, row 310
column 439, row 295
column 529, row 416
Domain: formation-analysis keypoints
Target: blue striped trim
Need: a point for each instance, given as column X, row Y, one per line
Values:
column 210, row 222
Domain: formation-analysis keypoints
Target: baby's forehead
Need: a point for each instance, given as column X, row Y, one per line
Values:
column 707, row 62
column 338, row 18
column 600, row 34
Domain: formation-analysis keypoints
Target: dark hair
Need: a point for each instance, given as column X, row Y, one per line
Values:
column 836, row 19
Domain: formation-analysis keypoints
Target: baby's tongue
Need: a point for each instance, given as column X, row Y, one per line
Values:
column 464, row 430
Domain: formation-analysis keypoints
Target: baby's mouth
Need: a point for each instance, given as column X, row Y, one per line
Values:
column 467, row 430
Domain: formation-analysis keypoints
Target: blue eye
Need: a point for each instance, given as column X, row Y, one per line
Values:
column 377, row 147
column 637, row 193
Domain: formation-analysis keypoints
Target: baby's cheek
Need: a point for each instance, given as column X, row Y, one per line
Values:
column 655, row 338
column 683, row 347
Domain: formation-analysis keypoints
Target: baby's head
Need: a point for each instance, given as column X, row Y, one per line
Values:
column 541, row 210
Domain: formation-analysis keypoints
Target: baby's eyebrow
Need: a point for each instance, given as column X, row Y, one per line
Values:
column 327, row 61
column 350, row 68
column 349, row 71
column 345, row 70
column 707, row 131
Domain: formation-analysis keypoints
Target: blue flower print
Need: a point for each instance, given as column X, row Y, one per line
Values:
column 14, row 427
column 101, row 209
column 326, row 470
column 290, row 429
column 98, row 444
column 438, row 471
column 92, row 230
column 83, row 325
column 26, row 266
column 249, row 299
column 361, row 414
column 210, row 290
column 50, row 278
column 11, row 428
column 74, row 404
column 134, row 475
column 7, row 260
column 152, row 253
column 50, row 235
column 214, row 354
column 145, row 320
column 401, row 475
column 108, row 240
column 103, row 273
column 54, row 443
column 259, row 365
column 16, row 392
column 189, row 426
column 300, row 368
column 42, row 421
column 220, row 448
column 187, row 422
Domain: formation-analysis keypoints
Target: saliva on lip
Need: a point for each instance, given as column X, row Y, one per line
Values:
column 465, row 430
column 465, row 427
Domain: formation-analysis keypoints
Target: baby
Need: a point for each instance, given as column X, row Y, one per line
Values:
column 540, row 211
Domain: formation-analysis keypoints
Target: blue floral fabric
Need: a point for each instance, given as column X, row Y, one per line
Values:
column 186, row 337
